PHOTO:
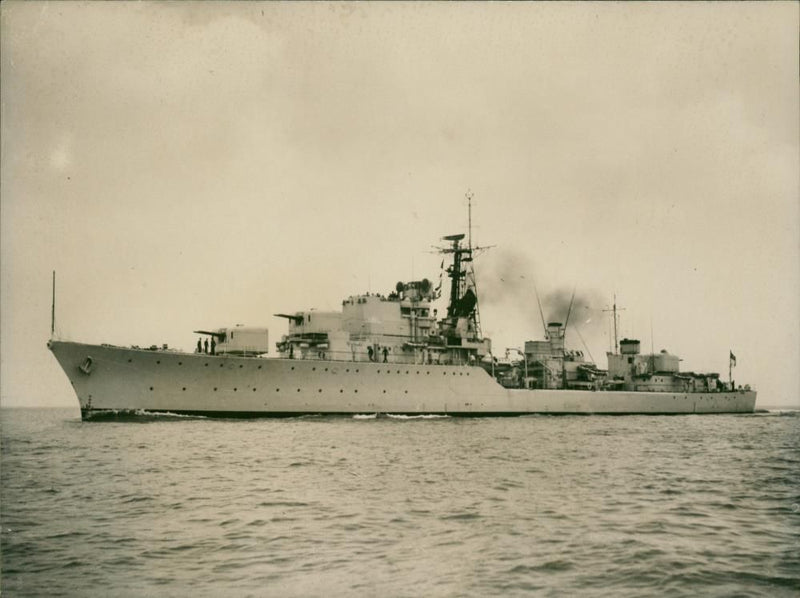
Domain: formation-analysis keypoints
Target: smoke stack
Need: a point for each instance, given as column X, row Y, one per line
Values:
column 555, row 334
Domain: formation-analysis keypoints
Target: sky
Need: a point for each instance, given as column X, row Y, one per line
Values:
column 194, row 165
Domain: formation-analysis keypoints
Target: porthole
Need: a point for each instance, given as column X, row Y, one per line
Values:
column 184, row 388
column 320, row 390
column 326, row 369
column 215, row 389
column 158, row 361
column 313, row 369
column 254, row 390
column 298, row 390
column 235, row 389
column 347, row 370
column 259, row 367
column 130, row 360
column 180, row 363
column 356, row 391
column 277, row 390
column 341, row 390
column 292, row 367
column 241, row 366
column 384, row 392
column 356, row 371
column 151, row 388
column 206, row 365
column 220, row 365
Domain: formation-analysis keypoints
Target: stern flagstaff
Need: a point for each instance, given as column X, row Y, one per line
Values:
column 53, row 309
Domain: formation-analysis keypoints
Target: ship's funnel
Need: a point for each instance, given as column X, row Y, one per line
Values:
column 628, row 346
column 555, row 334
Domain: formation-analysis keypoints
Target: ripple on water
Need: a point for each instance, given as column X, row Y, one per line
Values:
column 633, row 506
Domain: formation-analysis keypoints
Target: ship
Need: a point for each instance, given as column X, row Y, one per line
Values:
column 390, row 354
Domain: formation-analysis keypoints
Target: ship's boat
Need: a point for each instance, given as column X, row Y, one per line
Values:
column 393, row 354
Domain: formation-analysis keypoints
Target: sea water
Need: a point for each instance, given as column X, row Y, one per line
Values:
column 382, row 506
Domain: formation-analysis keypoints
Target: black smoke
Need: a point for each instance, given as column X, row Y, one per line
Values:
column 507, row 290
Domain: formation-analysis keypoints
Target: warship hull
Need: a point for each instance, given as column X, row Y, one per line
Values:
column 107, row 378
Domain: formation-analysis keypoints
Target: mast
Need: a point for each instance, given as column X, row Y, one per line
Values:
column 616, row 319
column 569, row 310
column 468, row 195
column 463, row 288
column 455, row 272
column 541, row 313
column 476, row 315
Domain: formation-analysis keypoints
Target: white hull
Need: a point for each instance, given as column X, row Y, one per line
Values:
column 121, row 379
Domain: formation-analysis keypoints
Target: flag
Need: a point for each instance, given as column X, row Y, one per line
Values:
column 733, row 358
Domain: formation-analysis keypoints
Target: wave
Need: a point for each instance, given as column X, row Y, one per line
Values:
column 399, row 416
column 136, row 415
column 776, row 412
column 423, row 416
